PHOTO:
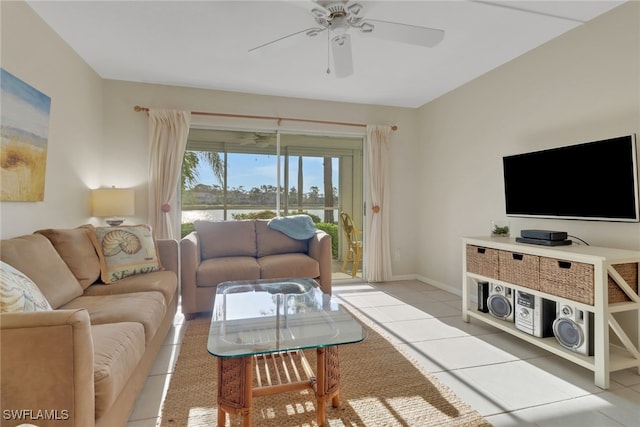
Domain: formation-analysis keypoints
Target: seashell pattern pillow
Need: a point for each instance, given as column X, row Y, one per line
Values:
column 18, row 293
column 125, row 251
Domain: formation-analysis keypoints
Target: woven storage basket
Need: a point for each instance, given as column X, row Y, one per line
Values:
column 567, row 279
column 519, row 269
column 482, row 261
column 629, row 273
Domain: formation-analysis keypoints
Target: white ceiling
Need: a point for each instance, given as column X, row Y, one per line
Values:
column 205, row 44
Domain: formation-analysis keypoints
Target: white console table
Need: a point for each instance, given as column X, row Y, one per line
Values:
column 604, row 264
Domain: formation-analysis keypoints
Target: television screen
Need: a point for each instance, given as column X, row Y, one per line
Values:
column 594, row 181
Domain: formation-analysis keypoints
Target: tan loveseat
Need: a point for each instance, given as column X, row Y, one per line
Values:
column 220, row 251
column 84, row 362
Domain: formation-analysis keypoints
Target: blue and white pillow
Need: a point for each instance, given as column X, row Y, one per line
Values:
column 18, row 293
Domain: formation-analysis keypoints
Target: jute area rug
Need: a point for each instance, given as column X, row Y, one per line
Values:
column 380, row 386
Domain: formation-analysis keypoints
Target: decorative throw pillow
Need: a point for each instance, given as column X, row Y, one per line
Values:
column 125, row 250
column 18, row 293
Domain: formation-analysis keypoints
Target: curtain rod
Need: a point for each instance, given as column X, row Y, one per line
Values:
column 138, row 108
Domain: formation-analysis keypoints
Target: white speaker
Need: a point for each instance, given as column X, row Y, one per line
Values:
column 500, row 302
column 573, row 328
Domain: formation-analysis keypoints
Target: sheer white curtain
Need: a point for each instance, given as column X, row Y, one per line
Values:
column 168, row 131
column 377, row 252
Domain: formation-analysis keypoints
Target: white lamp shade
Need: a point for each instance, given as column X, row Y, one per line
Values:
column 113, row 202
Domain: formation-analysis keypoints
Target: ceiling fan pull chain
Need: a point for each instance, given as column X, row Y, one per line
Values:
column 328, row 48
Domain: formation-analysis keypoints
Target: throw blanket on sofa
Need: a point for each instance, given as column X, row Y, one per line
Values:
column 299, row 227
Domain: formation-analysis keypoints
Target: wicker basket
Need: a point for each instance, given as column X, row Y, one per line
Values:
column 575, row 281
column 520, row 269
column 629, row 273
column 482, row 261
column 567, row 279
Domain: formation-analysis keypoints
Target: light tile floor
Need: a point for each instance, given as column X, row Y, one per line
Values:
column 510, row 382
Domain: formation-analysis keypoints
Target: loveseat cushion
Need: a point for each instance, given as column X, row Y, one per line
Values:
column 77, row 251
column 272, row 242
column 213, row 271
column 288, row 265
column 117, row 351
column 35, row 256
column 226, row 238
column 165, row 282
column 147, row 308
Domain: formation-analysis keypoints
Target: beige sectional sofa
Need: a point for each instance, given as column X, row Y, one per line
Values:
column 84, row 361
column 220, row 251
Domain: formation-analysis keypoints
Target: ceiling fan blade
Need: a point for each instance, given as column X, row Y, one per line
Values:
column 312, row 30
column 342, row 57
column 403, row 33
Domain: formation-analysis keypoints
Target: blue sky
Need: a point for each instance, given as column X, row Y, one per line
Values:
column 23, row 106
column 254, row 170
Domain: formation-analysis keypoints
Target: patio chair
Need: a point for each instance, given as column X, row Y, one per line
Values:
column 354, row 243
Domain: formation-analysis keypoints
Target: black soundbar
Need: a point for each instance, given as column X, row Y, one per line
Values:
column 544, row 234
column 543, row 242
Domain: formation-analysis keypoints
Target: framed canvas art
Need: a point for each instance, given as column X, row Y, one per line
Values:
column 24, row 129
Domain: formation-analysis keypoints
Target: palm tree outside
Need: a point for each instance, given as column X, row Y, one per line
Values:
column 191, row 162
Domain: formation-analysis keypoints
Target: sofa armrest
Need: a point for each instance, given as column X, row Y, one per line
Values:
column 46, row 364
column 168, row 253
column 320, row 250
column 189, row 262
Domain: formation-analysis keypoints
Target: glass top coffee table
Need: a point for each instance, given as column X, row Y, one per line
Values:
column 258, row 331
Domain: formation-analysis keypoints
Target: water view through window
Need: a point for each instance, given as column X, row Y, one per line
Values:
column 252, row 188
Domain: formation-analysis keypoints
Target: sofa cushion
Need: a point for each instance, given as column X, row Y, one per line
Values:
column 117, row 351
column 147, row 308
column 226, row 238
column 288, row 265
column 213, row 271
column 18, row 293
column 165, row 282
column 36, row 257
column 77, row 251
column 272, row 242
column 125, row 251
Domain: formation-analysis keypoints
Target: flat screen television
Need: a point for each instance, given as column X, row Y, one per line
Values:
column 591, row 181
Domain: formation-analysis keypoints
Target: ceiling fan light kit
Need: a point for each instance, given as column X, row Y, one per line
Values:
column 341, row 48
column 338, row 17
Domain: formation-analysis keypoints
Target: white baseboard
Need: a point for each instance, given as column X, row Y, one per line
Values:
column 456, row 290
column 404, row 277
column 443, row 286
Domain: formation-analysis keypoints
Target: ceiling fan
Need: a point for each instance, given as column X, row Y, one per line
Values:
column 339, row 18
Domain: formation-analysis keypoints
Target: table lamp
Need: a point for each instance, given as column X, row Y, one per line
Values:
column 113, row 203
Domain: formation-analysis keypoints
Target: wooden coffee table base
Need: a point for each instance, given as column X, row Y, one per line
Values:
column 276, row 373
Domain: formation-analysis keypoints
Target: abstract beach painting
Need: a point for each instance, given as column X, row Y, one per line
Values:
column 24, row 129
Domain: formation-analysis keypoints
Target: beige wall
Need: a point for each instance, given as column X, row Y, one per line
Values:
column 36, row 55
column 582, row 86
